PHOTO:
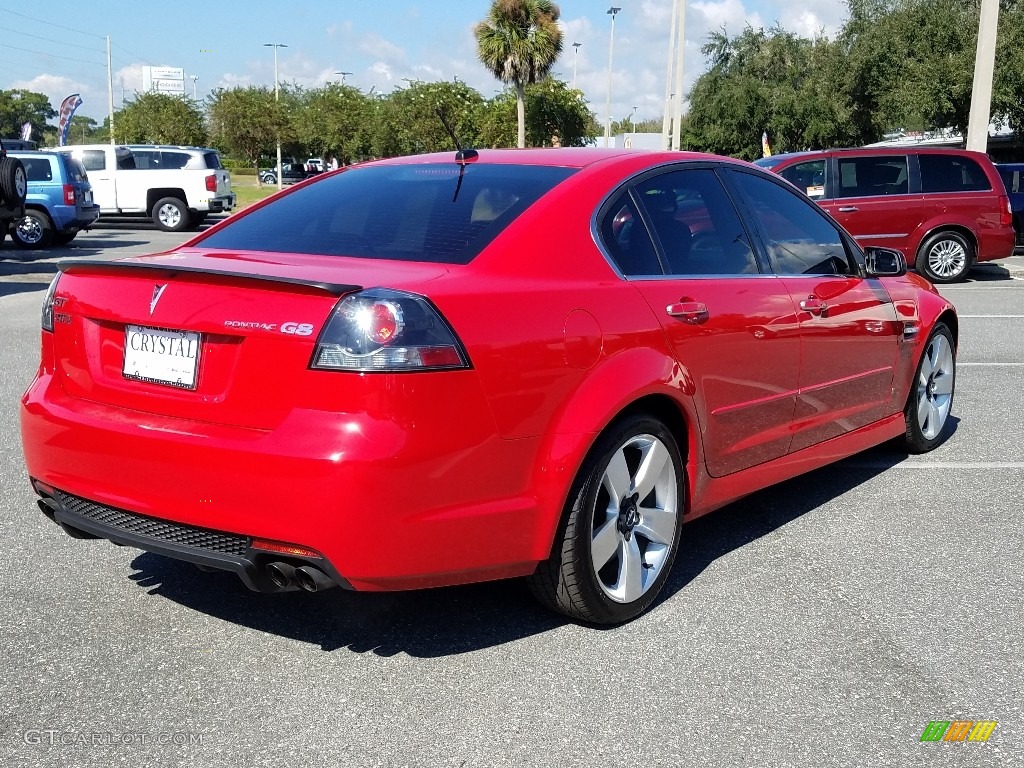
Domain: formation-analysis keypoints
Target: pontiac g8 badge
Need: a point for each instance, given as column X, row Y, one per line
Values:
column 158, row 291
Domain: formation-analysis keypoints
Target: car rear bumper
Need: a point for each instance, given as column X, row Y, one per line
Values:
column 996, row 244
column 387, row 504
column 222, row 204
column 69, row 218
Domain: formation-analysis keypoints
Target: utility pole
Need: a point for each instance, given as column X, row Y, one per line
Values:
column 677, row 126
column 110, row 92
column 277, row 98
column 984, row 69
column 666, row 121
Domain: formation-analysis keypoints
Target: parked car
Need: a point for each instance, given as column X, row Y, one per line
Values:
column 314, row 165
column 291, row 173
column 946, row 209
column 1011, row 174
column 59, row 201
column 175, row 198
column 465, row 366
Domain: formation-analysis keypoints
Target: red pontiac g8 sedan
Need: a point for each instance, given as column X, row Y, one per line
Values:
column 455, row 367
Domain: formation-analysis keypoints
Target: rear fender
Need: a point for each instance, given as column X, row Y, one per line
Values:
column 610, row 390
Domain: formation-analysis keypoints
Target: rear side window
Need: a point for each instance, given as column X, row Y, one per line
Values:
column 699, row 230
column 37, row 168
column 145, row 159
column 872, row 175
column 952, row 173
column 212, row 160
column 442, row 213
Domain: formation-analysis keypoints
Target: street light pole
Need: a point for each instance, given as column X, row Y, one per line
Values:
column 195, row 79
column 277, row 98
column 575, row 59
column 608, row 102
column 343, row 75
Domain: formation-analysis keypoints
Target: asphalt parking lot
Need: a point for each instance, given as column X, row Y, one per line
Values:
column 822, row 622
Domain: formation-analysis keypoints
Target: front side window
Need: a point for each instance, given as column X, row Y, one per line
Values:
column 951, row 173
column 799, row 237
column 439, row 212
column 872, row 175
column 808, row 177
column 695, row 223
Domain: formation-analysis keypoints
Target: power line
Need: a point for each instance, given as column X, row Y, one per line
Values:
column 51, row 40
column 49, row 23
column 53, row 55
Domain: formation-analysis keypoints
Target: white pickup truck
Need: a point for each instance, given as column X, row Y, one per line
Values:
column 176, row 186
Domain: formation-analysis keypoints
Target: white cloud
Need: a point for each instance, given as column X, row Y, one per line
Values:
column 377, row 46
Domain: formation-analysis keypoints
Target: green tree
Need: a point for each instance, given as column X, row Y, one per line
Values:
column 246, row 122
column 910, row 64
column 406, row 121
column 19, row 106
column 82, row 130
column 519, row 41
column 554, row 112
column 767, row 81
column 330, row 121
column 159, row 118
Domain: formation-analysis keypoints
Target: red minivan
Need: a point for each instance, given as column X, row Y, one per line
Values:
column 946, row 209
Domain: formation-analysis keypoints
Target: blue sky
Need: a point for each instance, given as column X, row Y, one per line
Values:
column 59, row 47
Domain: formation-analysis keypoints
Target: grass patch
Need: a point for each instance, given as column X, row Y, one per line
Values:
column 247, row 193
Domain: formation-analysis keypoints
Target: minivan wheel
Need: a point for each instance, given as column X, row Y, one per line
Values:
column 621, row 527
column 945, row 257
column 33, row 231
column 171, row 215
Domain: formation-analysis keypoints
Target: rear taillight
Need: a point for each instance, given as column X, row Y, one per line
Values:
column 211, row 183
column 1005, row 211
column 47, row 320
column 385, row 330
column 69, row 195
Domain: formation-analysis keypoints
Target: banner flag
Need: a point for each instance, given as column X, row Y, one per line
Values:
column 67, row 111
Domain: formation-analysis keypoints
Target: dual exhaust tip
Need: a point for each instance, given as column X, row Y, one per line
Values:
column 307, row 577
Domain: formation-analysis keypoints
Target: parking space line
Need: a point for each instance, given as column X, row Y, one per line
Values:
column 934, row 464
column 991, row 365
column 982, row 317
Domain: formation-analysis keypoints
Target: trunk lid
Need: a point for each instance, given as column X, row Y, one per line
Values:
column 224, row 338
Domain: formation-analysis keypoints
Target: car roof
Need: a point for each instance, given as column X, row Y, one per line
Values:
column 566, row 157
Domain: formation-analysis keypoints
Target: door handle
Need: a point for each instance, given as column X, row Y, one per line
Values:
column 848, row 209
column 692, row 312
column 815, row 306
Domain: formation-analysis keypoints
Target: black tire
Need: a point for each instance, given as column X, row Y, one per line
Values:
column 945, row 257
column 568, row 581
column 931, row 392
column 171, row 214
column 13, row 181
column 34, row 231
column 63, row 238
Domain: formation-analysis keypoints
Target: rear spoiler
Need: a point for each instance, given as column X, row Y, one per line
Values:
column 335, row 289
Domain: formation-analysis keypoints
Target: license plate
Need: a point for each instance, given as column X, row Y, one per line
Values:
column 87, row 195
column 161, row 357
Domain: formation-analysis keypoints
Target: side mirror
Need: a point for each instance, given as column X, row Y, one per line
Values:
column 884, row 262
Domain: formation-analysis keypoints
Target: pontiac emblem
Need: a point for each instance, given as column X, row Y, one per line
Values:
column 158, row 291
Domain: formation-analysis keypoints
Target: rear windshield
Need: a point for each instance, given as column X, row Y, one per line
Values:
column 436, row 213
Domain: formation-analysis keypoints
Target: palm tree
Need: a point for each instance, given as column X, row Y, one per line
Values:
column 519, row 42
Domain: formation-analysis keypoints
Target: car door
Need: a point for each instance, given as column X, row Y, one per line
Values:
column 677, row 236
column 877, row 199
column 849, row 332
